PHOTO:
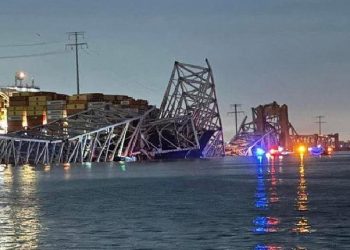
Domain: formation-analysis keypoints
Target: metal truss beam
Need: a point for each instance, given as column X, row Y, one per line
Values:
column 269, row 127
column 188, row 120
column 95, row 135
column 169, row 135
column 191, row 91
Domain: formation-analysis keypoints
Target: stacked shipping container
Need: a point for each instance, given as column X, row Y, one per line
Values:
column 36, row 109
column 17, row 110
column 56, row 109
column 30, row 109
column 78, row 103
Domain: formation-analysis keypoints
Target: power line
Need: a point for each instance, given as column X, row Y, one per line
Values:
column 236, row 113
column 319, row 121
column 76, row 45
column 34, row 55
column 27, row 44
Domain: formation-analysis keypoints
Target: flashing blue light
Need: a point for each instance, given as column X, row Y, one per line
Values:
column 259, row 152
column 316, row 151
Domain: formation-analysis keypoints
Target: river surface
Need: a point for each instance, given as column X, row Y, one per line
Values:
column 230, row 203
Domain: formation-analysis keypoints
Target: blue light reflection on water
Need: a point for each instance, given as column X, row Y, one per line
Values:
column 205, row 204
column 265, row 197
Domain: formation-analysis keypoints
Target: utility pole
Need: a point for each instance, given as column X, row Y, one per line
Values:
column 319, row 121
column 76, row 45
column 236, row 112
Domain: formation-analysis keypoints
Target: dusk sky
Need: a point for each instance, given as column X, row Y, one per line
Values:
column 293, row 52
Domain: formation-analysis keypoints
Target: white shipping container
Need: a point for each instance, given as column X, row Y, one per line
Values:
column 56, row 107
column 134, row 110
column 125, row 102
column 96, row 104
column 55, row 112
column 54, row 117
column 56, row 102
column 14, row 117
column 131, row 110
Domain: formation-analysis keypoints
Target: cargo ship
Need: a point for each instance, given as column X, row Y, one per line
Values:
column 24, row 106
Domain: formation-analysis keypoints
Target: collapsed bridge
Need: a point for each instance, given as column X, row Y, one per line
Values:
column 188, row 124
column 270, row 127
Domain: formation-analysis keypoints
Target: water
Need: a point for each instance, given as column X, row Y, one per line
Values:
column 202, row 204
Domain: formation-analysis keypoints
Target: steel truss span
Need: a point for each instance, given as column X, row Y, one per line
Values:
column 191, row 91
column 96, row 135
column 270, row 126
column 188, row 123
column 169, row 135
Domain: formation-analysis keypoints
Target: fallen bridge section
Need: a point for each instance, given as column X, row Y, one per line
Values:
column 325, row 141
column 269, row 127
column 191, row 91
column 188, row 124
column 95, row 135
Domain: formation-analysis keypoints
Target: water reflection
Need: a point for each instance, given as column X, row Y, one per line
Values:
column 273, row 197
column 67, row 172
column 266, row 224
column 302, row 225
column 19, row 224
column 47, row 168
column 267, row 247
column 122, row 166
column 265, row 196
column 261, row 201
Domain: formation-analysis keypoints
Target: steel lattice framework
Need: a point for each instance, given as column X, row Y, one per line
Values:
column 269, row 127
column 188, row 123
column 95, row 135
column 168, row 135
column 191, row 91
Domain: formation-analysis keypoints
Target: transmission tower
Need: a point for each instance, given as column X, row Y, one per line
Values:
column 76, row 45
column 236, row 112
column 319, row 121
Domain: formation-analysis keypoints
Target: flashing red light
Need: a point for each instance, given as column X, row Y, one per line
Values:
column 274, row 151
